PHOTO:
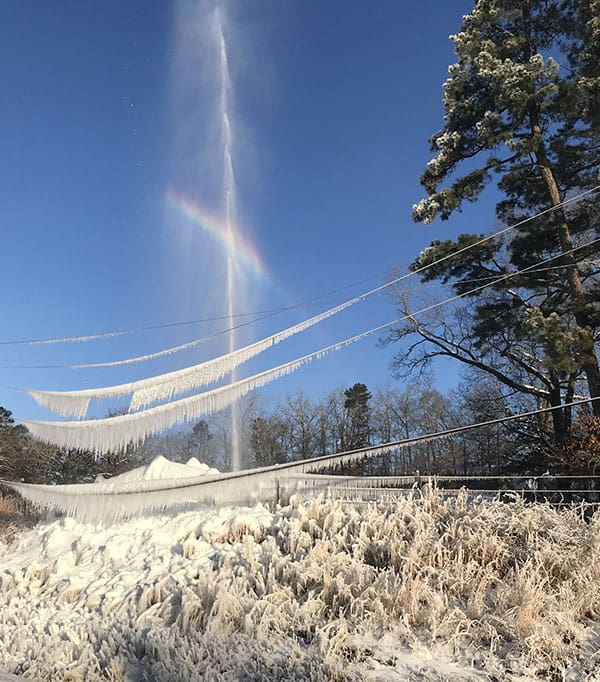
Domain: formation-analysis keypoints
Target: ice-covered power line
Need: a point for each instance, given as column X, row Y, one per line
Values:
column 164, row 386
column 111, row 500
column 136, row 330
column 115, row 433
column 75, row 403
column 267, row 314
column 162, row 353
column 259, row 316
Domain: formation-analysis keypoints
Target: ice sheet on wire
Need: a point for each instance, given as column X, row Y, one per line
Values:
column 115, row 433
column 164, row 386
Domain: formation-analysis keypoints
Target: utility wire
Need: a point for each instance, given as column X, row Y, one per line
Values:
column 191, row 344
column 469, row 427
column 333, row 347
column 135, row 330
column 262, row 315
column 493, row 278
column 288, row 468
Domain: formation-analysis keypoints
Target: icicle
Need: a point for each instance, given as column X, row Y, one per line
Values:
column 165, row 386
column 63, row 403
column 76, row 403
column 112, row 500
column 115, row 433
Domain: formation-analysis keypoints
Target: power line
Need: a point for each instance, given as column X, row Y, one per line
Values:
column 260, row 315
column 191, row 344
column 153, row 420
column 493, row 278
column 291, row 469
column 135, row 330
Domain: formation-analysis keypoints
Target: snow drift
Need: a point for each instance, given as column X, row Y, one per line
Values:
column 427, row 588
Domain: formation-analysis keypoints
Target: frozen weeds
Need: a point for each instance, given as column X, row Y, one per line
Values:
column 426, row 588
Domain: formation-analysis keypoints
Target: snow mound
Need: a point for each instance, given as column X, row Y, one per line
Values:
column 162, row 468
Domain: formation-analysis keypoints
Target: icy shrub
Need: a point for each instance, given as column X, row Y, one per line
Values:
column 15, row 516
column 308, row 592
column 581, row 453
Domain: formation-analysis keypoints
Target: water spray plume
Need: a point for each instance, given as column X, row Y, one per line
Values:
column 213, row 224
column 203, row 181
column 229, row 198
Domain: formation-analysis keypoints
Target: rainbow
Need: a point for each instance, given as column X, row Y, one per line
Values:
column 216, row 226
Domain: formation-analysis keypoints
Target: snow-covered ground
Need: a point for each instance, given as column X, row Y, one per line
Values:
column 423, row 589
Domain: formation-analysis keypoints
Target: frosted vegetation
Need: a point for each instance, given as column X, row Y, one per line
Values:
column 425, row 588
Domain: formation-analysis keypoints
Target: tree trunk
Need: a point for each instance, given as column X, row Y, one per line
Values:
column 559, row 421
column 590, row 366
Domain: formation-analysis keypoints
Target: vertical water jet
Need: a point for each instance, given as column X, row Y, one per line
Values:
column 229, row 212
column 205, row 162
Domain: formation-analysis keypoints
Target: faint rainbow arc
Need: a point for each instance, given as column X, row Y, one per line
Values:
column 216, row 226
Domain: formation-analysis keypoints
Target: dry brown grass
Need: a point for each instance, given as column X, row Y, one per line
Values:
column 15, row 516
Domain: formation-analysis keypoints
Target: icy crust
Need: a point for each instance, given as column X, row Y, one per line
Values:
column 425, row 589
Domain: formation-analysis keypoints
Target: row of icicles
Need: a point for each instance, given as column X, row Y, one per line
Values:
column 115, row 433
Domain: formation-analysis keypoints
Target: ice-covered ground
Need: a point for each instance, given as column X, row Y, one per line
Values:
column 424, row 589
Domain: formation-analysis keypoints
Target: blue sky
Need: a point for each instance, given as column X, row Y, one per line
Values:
column 104, row 113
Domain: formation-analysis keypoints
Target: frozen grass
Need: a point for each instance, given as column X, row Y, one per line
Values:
column 317, row 590
column 15, row 516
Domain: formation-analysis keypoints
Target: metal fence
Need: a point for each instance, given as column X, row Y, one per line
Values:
column 559, row 491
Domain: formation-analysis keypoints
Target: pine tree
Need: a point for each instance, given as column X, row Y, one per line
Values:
column 267, row 441
column 514, row 113
column 199, row 440
column 356, row 402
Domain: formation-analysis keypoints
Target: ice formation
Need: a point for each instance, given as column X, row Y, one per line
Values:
column 115, row 433
column 142, row 358
column 162, row 468
column 164, row 485
column 76, row 403
column 165, row 386
column 427, row 588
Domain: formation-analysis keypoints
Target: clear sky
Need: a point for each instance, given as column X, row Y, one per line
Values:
column 112, row 168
